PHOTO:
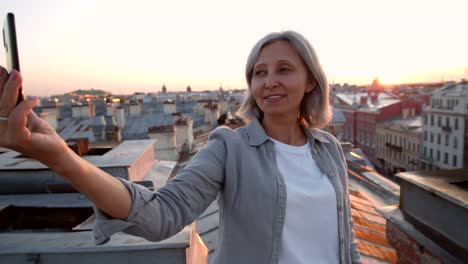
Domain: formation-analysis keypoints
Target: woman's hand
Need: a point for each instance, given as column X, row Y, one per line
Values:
column 21, row 129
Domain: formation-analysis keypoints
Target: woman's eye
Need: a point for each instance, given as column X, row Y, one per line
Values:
column 284, row 69
column 259, row 73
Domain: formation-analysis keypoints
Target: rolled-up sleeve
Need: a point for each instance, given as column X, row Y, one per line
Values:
column 156, row 215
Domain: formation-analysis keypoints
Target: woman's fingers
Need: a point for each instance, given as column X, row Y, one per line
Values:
column 17, row 135
column 19, row 116
column 3, row 78
column 9, row 95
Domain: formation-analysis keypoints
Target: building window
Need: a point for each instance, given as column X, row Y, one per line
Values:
column 432, row 120
column 432, row 138
column 425, row 120
column 438, row 139
column 430, row 153
column 446, row 140
column 438, row 155
column 439, row 121
column 425, row 151
column 446, row 158
column 455, row 142
column 456, row 123
column 425, row 135
column 447, row 121
column 454, row 161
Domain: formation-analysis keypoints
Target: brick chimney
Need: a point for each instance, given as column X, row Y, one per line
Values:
column 364, row 100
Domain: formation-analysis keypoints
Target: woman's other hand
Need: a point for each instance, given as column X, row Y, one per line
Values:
column 21, row 129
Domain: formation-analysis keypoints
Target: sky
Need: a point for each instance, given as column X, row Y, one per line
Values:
column 129, row 46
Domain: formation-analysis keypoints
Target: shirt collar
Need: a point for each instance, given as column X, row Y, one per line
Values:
column 257, row 135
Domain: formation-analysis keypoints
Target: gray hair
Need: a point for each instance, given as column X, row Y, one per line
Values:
column 315, row 111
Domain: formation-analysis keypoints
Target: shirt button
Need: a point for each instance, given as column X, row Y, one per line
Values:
column 315, row 151
column 340, row 208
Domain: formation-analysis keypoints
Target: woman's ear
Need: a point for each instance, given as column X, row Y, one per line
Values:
column 311, row 84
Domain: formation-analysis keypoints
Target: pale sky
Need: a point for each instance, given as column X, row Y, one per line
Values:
column 128, row 46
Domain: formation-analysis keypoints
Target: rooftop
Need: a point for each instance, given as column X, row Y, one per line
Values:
column 44, row 225
column 354, row 99
column 411, row 124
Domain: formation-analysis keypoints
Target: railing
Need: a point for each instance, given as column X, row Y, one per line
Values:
column 394, row 147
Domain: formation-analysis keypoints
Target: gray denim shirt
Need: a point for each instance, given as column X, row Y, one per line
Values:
column 240, row 166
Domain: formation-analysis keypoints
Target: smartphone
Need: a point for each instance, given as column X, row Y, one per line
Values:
column 11, row 48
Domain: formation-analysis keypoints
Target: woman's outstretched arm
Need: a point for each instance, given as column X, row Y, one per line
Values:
column 23, row 131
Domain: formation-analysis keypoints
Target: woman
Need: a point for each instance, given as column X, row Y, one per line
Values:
column 282, row 181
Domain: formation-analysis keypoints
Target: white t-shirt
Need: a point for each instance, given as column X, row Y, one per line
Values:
column 310, row 232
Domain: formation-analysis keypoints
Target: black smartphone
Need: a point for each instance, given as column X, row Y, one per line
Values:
column 11, row 48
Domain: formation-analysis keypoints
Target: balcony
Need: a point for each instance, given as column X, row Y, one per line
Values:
column 426, row 159
column 446, row 129
column 393, row 147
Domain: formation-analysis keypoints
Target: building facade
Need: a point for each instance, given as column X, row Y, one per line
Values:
column 398, row 144
column 445, row 123
column 363, row 111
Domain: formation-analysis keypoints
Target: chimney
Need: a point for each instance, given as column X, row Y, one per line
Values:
column 135, row 109
column 112, row 130
column 57, row 109
column 82, row 111
column 176, row 116
column 405, row 112
column 76, row 111
column 165, row 146
column 374, row 98
column 169, row 107
column 184, row 133
column 109, row 110
column 364, row 100
column 79, row 145
column 98, row 126
column 120, row 117
column 91, row 111
column 207, row 113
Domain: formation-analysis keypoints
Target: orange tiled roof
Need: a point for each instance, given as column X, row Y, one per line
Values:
column 370, row 231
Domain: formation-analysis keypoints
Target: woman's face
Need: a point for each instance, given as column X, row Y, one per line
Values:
column 279, row 80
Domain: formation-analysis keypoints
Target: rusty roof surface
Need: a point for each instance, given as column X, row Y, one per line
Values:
column 370, row 230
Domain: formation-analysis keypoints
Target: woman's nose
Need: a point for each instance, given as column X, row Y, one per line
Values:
column 271, row 81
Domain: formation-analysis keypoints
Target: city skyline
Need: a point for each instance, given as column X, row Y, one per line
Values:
column 124, row 48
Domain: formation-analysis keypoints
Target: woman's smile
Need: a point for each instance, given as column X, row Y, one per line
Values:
column 273, row 98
